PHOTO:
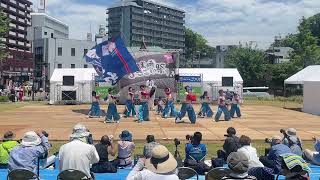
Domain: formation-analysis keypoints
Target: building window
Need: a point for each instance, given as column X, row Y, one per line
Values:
column 45, row 33
column 85, row 51
column 73, row 51
column 51, row 35
column 85, row 66
column 73, row 66
column 59, row 66
column 59, row 51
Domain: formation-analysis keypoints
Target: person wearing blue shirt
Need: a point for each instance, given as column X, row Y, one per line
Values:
column 25, row 156
column 273, row 159
column 196, row 153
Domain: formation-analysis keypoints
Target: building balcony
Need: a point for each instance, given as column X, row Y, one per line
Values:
column 4, row 5
column 12, row 17
column 22, row 5
column 13, row 1
column 12, row 41
column 21, row 43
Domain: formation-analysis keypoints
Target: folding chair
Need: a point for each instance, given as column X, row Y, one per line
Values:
column 217, row 173
column 72, row 174
column 22, row 174
column 187, row 173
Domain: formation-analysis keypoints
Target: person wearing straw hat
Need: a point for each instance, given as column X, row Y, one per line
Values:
column 78, row 154
column 291, row 139
column 161, row 166
column 6, row 147
column 33, row 146
column 125, row 148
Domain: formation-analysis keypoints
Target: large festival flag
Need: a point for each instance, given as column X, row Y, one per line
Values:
column 111, row 60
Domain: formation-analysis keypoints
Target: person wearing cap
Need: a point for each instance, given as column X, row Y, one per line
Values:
column 6, row 147
column 187, row 107
column 313, row 156
column 222, row 107
column 151, row 143
column 238, row 163
column 273, row 158
column 291, row 139
column 78, row 154
column 25, row 156
column 231, row 144
column 161, row 166
column 169, row 109
column 125, row 149
column 130, row 110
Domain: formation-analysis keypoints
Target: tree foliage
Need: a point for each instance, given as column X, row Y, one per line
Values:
column 195, row 44
column 251, row 64
column 4, row 28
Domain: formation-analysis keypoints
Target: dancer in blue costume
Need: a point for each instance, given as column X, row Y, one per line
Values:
column 205, row 110
column 112, row 112
column 169, row 110
column 130, row 109
column 95, row 106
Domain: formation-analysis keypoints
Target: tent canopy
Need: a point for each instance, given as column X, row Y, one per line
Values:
column 80, row 74
column 213, row 74
column 311, row 73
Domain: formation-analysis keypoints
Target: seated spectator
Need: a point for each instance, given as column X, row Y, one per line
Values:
column 25, row 156
column 161, row 166
column 249, row 151
column 104, row 149
column 147, row 149
column 5, row 148
column 78, row 154
column 239, row 165
column 313, row 156
column 231, row 144
column 256, row 168
column 292, row 141
column 273, row 159
column 294, row 167
column 125, row 149
column 195, row 154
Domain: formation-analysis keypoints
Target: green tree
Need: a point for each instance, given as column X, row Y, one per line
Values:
column 4, row 28
column 196, row 44
column 250, row 62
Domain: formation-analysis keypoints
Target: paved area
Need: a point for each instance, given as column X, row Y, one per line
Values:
column 258, row 122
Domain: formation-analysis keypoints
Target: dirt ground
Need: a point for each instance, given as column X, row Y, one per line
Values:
column 257, row 121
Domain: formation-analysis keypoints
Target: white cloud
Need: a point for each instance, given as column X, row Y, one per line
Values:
column 220, row 21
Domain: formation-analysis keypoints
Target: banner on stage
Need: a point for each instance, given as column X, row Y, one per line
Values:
column 190, row 79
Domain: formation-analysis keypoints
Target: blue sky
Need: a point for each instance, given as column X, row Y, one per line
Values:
column 220, row 21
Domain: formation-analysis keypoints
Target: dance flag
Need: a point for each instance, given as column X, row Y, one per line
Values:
column 111, row 60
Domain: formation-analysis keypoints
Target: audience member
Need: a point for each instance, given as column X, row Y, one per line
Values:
column 196, row 153
column 313, row 156
column 239, row 165
column 292, row 141
column 161, row 166
column 231, row 144
column 104, row 149
column 125, row 149
column 294, row 167
column 25, row 156
column 78, row 154
column 5, row 148
column 147, row 149
column 249, row 151
column 273, row 159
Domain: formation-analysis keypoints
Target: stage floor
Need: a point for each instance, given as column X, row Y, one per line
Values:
column 257, row 121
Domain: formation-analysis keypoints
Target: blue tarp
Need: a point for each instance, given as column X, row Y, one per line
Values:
column 122, row 174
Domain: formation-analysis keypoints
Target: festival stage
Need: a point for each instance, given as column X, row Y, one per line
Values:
column 258, row 122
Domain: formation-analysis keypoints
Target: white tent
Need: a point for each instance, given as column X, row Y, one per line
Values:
column 309, row 77
column 302, row 75
column 311, row 88
column 72, row 85
column 212, row 79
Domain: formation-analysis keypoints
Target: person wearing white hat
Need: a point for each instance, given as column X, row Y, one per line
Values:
column 292, row 140
column 161, row 166
column 33, row 146
column 78, row 154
